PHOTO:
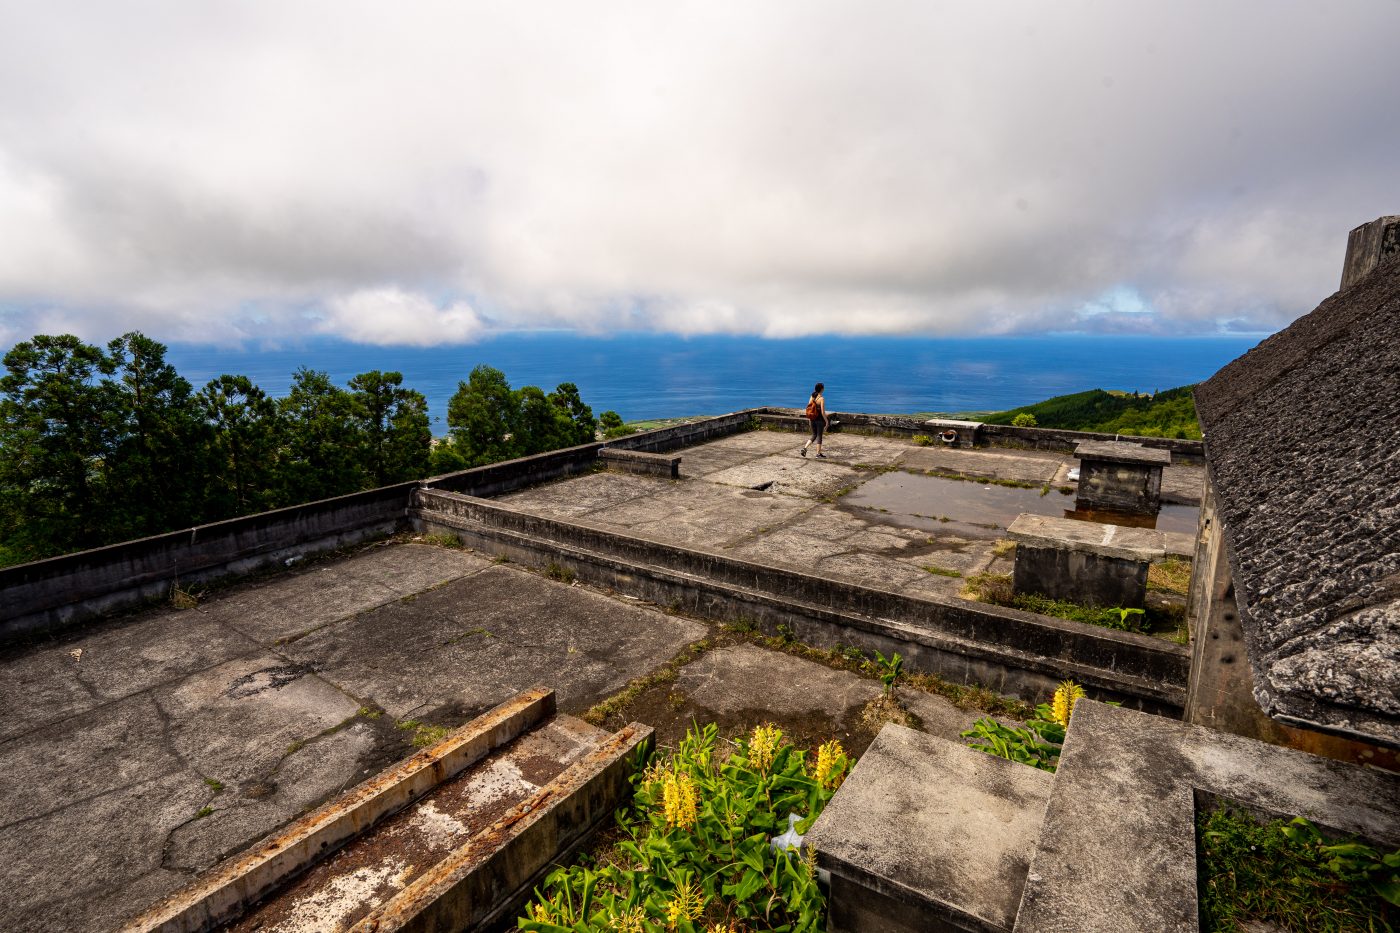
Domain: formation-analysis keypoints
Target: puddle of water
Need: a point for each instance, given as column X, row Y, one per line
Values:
column 922, row 500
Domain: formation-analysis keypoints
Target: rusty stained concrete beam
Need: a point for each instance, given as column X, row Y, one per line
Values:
column 224, row 893
column 474, row 886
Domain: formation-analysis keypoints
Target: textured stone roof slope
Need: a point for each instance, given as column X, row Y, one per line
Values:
column 1303, row 445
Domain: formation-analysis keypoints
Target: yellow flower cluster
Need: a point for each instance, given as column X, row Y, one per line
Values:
column 629, row 921
column 542, row 913
column 763, row 746
column 722, row 928
column 829, row 759
column 1063, row 704
column 688, row 903
column 680, row 800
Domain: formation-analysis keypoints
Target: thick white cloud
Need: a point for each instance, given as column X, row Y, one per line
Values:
column 247, row 169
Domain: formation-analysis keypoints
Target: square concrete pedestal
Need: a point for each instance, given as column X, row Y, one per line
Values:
column 929, row 835
column 1117, row 476
column 1084, row 562
column 966, row 431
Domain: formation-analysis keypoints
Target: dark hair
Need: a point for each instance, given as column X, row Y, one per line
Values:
column 818, row 390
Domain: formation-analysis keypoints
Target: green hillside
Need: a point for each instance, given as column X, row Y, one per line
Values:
column 1170, row 413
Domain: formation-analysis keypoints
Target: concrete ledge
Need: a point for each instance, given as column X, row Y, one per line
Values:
column 63, row 591
column 227, row 891
column 1117, row 851
column 1122, row 452
column 477, row 886
column 637, row 461
column 966, row 431
column 1117, row 541
column 927, row 834
column 1003, row 649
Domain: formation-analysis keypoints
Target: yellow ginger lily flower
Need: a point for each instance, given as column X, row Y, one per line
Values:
column 763, row 747
column 680, row 800
column 629, row 921
column 688, row 903
column 1063, row 704
column 829, row 759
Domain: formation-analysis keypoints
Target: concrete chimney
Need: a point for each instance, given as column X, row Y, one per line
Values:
column 1367, row 244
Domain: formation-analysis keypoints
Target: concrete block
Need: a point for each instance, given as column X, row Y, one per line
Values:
column 1366, row 245
column 639, row 461
column 928, row 834
column 1119, row 476
column 1085, row 562
column 963, row 433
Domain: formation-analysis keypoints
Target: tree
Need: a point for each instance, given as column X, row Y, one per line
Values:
column 394, row 426
column 611, row 423
column 324, row 450
column 482, row 417
column 247, row 432
column 57, row 424
column 584, row 428
column 159, row 466
column 540, row 424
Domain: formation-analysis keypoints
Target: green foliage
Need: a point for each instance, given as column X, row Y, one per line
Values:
column 98, row 446
column 1024, row 420
column 1288, row 873
column 611, row 424
column 923, row 440
column 1114, row 617
column 1037, row 743
column 887, row 669
column 696, row 853
column 1170, row 413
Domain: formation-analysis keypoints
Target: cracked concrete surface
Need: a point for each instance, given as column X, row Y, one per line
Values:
column 753, row 494
column 139, row 751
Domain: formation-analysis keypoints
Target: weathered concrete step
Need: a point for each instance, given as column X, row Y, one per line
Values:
column 929, row 835
column 461, row 830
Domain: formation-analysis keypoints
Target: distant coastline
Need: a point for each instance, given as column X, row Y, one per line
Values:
column 658, row 376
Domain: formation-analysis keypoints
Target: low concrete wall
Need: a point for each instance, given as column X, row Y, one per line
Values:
column 62, row 591
column 684, row 435
column 988, row 435
column 1007, row 650
column 639, row 461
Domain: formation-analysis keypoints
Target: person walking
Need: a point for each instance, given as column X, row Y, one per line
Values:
column 816, row 413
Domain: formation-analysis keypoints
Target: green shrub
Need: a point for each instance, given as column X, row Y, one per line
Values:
column 696, row 853
column 1038, row 742
column 923, row 440
column 1024, row 420
column 1287, row 873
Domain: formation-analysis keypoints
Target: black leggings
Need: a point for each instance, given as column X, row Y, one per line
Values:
column 818, row 426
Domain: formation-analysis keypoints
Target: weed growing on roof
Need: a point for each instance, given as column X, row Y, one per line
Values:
column 443, row 540
column 942, row 571
column 1287, row 873
column 1038, row 742
column 558, row 572
column 1172, row 575
column 424, row 734
column 694, row 852
column 600, row 712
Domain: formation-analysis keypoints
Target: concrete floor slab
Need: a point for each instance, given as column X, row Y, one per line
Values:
column 702, row 514
column 112, row 662
column 89, row 755
column 242, row 813
column 72, row 869
column 1021, row 466
column 473, row 642
column 234, row 722
column 795, row 476
column 1183, row 483
column 585, row 494
column 287, row 606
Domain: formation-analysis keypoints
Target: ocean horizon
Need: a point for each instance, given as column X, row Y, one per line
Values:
column 648, row 376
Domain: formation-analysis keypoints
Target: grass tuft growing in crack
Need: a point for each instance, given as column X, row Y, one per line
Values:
column 600, row 712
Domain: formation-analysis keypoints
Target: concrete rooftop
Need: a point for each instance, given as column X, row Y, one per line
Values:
column 858, row 515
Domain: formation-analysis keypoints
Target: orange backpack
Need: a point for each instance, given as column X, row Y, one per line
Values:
column 812, row 409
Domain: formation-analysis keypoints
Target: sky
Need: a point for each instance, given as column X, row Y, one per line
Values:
column 431, row 173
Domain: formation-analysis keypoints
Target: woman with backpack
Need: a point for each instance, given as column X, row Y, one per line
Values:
column 816, row 413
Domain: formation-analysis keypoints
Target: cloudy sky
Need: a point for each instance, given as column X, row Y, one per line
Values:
column 419, row 173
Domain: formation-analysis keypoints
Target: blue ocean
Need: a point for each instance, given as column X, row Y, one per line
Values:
column 644, row 376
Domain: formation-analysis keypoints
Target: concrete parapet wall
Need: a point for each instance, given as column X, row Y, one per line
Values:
column 988, row 435
column 1007, row 650
column 684, row 435
column 637, row 461
column 63, row 591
